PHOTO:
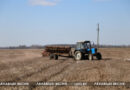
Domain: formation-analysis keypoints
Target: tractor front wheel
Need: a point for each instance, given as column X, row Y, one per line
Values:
column 90, row 57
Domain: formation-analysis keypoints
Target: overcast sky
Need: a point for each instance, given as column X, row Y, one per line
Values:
column 27, row 22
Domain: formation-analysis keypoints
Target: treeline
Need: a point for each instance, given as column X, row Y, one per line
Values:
column 72, row 45
column 101, row 46
column 114, row 46
column 24, row 47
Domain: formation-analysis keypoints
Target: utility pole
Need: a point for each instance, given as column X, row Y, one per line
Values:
column 98, row 36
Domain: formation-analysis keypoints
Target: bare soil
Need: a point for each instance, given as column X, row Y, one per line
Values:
column 28, row 65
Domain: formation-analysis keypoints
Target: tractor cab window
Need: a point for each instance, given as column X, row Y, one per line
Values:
column 80, row 46
column 87, row 45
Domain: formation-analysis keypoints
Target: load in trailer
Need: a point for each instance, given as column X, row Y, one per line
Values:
column 83, row 50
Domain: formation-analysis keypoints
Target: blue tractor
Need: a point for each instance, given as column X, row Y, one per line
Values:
column 84, row 49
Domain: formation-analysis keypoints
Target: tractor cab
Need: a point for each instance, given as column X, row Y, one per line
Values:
column 84, row 48
column 83, row 45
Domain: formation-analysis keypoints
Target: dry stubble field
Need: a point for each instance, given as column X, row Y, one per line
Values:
column 27, row 65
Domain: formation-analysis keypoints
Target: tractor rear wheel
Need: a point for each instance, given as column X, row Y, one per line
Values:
column 99, row 56
column 78, row 55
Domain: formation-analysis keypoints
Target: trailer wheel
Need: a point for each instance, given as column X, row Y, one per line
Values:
column 56, row 57
column 78, row 55
column 90, row 56
column 51, row 56
column 99, row 56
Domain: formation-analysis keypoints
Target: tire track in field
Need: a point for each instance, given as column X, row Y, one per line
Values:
column 18, row 63
column 14, row 69
column 98, row 70
column 61, row 71
column 70, row 70
column 36, row 72
column 101, row 76
column 53, row 75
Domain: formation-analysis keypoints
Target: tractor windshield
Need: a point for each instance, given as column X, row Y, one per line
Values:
column 87, row 45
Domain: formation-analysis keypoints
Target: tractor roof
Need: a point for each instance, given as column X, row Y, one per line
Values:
column 83, row 42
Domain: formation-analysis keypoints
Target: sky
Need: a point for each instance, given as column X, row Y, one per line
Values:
column 41, row 22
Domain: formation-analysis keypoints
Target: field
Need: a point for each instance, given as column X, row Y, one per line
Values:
column 27, row 65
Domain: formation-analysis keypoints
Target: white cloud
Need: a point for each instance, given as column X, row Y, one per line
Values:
column 44, row 2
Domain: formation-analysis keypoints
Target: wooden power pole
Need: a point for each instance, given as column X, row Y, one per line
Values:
column 98, row 36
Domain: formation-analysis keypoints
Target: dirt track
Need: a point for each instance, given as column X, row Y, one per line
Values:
column 28, row 65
